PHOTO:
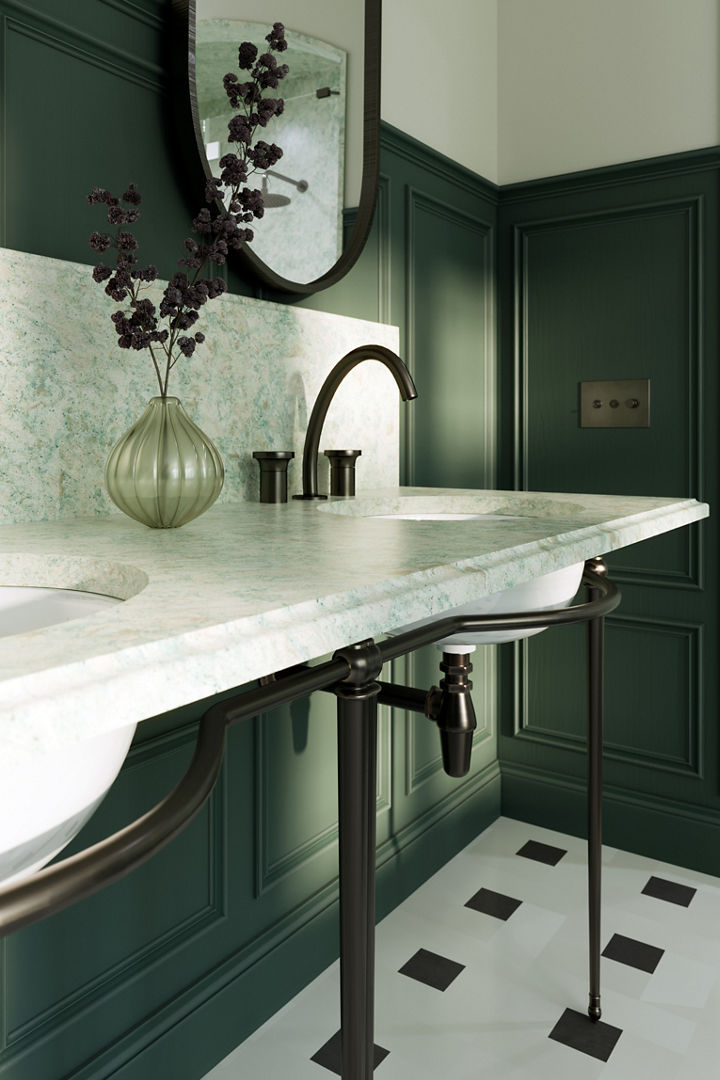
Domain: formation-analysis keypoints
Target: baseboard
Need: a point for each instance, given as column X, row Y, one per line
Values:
column 644, row 824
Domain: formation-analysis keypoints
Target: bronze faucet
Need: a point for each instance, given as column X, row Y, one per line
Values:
column 402, row 377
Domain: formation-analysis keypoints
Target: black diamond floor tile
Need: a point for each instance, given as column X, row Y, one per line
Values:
column 670, row 891
column 543, row 853
column 432, row 969
column 579, row 1032
column 634, row 953
column 493, row 903
column 330, row 1055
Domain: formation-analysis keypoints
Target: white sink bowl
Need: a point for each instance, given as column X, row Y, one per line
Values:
column 475, row 512
column 24, row 608
column 46, row 797
column 544, row 593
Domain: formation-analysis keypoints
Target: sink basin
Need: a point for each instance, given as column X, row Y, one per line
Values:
column 447, row 517
column 47, row 796
column 486, row 505
column 474, row 512
column 554, row 590
column 24, row 608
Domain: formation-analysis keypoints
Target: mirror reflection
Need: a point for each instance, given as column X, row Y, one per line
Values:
column 301, row 232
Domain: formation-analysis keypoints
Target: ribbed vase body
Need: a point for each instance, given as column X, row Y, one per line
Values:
column 164, row 471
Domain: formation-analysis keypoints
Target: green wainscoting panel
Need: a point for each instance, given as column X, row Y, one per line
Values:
column 165, row 972
column 613, row 274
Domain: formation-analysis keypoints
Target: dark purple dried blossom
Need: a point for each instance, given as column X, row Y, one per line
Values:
column 276, row 37
column 115, row 290
column 185, row 320
column 173, row 294
column 100, row 241
column 123, row 278
column 242, row 236
column 132, row 195
column 203, row 222
column 100, row 195
column 126, row 242
column 213, row 190
column 145, row 273
column 266, row 109
column 145, row 309
column 239, row 92
column 251, row 201
column 101, row 273
column 264, row 155
column 247, row 53
column 199, row 337
column 234, row 170
column 186, row 346
column 239, row 130
column 216, row 287
column 268, row 78
column 116, row 215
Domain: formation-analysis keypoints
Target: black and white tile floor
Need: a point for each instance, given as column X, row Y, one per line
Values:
column 483, row 973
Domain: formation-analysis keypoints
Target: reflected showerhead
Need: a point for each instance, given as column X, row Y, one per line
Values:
column 271, row 200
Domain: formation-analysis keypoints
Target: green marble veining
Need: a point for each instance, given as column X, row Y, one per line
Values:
column 68, row 392
column 209, row 603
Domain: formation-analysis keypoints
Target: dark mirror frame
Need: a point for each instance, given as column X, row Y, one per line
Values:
column 196, row 170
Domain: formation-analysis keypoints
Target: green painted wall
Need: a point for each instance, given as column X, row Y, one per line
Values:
column 162, row 974
column 613, row 274
column 608, row 274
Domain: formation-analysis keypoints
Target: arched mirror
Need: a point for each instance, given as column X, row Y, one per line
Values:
column 320, row 196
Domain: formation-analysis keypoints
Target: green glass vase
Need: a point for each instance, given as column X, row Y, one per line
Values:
column 164, row 471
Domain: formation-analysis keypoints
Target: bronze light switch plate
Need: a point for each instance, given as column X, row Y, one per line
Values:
column 615, row 403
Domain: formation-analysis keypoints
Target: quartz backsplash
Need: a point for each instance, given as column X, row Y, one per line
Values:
column 68, row 392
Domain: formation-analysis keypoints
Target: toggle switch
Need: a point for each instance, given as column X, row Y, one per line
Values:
column 615, row 403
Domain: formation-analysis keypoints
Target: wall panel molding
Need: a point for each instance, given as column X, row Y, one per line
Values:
column 270, row 871
column 147, row 14
column 384, row 255
column 623, row 175
column 437, row 165
column 417, row 202
column 689, row 764
column 691, row 210
column 63, row 37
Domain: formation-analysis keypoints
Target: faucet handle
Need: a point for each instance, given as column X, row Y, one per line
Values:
column 342, row 470
column 273, row 474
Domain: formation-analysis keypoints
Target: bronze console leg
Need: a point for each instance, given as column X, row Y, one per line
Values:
column 357, row 770
column 596, row 651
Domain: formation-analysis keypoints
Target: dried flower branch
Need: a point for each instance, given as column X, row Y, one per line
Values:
column 139, row 323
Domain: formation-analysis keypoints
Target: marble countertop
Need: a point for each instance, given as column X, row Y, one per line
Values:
column 252, row 588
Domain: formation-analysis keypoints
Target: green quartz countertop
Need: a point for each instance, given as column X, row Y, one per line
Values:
column 252, row 588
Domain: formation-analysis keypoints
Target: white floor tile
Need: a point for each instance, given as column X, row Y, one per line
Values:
column 520, row 975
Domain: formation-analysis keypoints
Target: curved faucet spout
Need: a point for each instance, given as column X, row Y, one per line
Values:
column 402, row 377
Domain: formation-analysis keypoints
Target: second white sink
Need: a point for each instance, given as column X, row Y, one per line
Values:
column 546, row 592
